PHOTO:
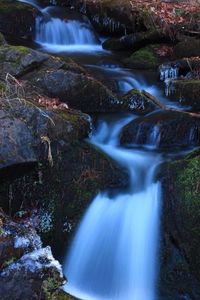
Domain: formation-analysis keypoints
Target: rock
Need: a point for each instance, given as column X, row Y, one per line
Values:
column 17, row 20
column 188, row 47
column 188, row 92
column 134, row 41
column 145, row 58
column 79, row 91
column 165, row 129
column 28, row 271
column 116, row 17
column 2, row 40
column 16, row 145
column 25, row 132
column 180, row 248
column 17, row 60
column 139, row 102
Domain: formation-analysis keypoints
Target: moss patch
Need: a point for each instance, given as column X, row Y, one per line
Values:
column 144, row 58
column 185, row 175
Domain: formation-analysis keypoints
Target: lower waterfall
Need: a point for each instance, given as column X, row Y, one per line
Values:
column 114, row 253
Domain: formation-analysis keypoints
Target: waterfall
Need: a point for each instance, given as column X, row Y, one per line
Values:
column 114, row 253
column 57, row 34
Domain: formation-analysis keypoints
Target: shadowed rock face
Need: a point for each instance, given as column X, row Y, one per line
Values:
column 16, row 144
column 17, row 20
column 166, row 129
column 180, row 247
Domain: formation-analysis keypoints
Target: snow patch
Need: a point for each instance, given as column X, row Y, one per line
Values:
column 34, row 262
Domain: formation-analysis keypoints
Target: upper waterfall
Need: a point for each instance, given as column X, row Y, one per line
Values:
column 59, row 30
column 55, row 32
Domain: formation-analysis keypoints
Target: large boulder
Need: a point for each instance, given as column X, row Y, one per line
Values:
column 163, row 129
column 180, row 247
column 16, row 144
column 24, row 127
column 17, row 60
column 17, row 20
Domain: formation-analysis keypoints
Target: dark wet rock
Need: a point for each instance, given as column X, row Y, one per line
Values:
column 139, row 102
column 116, row 17
column 17, row 20
column 25, row 129
column 180, row 248
column 79, row 91
column 188, row 92
column 16, row 143
column 188, row 47
column 163, row 129
column 134, row 41
column 27, row 270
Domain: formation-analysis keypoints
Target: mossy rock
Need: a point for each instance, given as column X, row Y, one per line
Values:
column 187, row 47
column 17, row 20
column 145, row 58
column 188, row 92
column 17, row 60
column 180, row 252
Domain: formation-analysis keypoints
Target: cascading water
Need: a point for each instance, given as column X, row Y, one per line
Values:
column 113, row 255
column 63, row 34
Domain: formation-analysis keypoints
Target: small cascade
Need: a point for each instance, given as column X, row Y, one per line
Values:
column 56, row 31
column 63, row 32
column 114, row 253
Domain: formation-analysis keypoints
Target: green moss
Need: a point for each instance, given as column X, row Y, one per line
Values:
column 22, row 49
column 145, row 58
column 186, row 175
column 145, row 55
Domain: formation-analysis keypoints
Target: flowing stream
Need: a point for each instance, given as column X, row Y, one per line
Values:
column 113, row 255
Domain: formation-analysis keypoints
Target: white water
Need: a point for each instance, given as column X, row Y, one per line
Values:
column 63, row 35
column 113, row 255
